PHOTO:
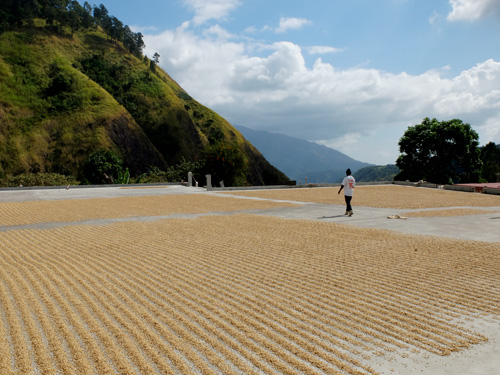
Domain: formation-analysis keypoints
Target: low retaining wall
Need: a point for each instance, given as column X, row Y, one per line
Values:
column 491, row 191
column 418, row 184
column 468, row 189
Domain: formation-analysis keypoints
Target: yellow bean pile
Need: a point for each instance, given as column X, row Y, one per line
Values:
column 388, row 196
column 237, row 294
column 448, row 213
column 19, row 213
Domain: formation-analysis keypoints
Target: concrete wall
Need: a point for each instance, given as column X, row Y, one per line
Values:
column 418, row 184
column 469, row 189
column 491, row 191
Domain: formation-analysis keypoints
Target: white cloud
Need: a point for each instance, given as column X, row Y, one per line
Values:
column 470, row 10
column 435, row 16
column 344, row 143
column 205, row 10
column 320, row 50
column 270, row 87
column 218, row 32
column 285, row 25
column 490, row 130
column 474, row 90
column 291, row 24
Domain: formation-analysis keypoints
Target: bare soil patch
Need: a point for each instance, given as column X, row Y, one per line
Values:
column 239, row 294
column 388, row 196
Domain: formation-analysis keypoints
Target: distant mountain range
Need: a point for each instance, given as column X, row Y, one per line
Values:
column 299, row 159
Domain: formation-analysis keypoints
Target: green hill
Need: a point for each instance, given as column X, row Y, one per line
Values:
column 377, row 173
column 68, row 90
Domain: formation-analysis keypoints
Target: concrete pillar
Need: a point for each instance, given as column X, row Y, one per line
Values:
column 209, row 182
column 190, row 179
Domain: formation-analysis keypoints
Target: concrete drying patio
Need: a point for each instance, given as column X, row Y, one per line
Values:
column 172, row 279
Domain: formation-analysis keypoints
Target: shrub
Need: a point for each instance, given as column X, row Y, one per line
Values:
column 38, row 179
column 102, row 167
column 175, row 173
column 225, row 163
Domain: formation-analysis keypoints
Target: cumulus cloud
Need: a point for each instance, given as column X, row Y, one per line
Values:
column 470, row 10
column 491, row 129
column 270, row 87
column 291, row 24
column 218, row 32
column 205, row 10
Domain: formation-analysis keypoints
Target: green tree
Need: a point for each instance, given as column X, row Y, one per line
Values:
column 490, row 156
column 54, row 10
column 79, row 15
column 156, row 58
column 102, row 167
column 30, row 9
column 225, row 163
column 133, row 42
column 63, row 92
column 154, row 62
column 101, row 14
column 439, row 152
column 139, row 44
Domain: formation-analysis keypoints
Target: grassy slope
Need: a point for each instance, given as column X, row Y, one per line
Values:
column 377, row 173
column 45, row 132
column 52, row 115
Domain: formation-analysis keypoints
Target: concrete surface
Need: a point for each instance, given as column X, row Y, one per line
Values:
column 485, row 227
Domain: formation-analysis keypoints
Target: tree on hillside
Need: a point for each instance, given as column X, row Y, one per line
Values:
column 225, row 163
column 156, row 58
column 490, row 156
column 439, row 152
column 102, row 167
column 100, row 14
column 58, row 13
column 79, row 16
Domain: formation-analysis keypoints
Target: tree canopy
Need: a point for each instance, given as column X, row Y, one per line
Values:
column 490, row 155
column 57, row 13
column 441, row 152
column 102, row 167
column 225, row 163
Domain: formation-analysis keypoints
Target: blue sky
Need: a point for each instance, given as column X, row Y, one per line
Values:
column 351, row 75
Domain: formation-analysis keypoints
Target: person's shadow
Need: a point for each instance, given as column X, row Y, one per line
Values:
column 331, row 217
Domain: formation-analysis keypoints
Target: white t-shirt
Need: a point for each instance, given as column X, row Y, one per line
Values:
column 349, row 182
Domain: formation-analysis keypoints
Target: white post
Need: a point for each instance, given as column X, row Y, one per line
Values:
column 190, row 179
column 209, row 182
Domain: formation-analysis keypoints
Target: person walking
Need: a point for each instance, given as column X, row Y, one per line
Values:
column 348, row 185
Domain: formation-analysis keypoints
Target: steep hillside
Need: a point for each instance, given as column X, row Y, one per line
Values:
column 66, row 93
column 377, row 173
column 299, row 158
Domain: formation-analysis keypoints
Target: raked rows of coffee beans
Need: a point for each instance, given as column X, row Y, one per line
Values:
column 238, row 294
